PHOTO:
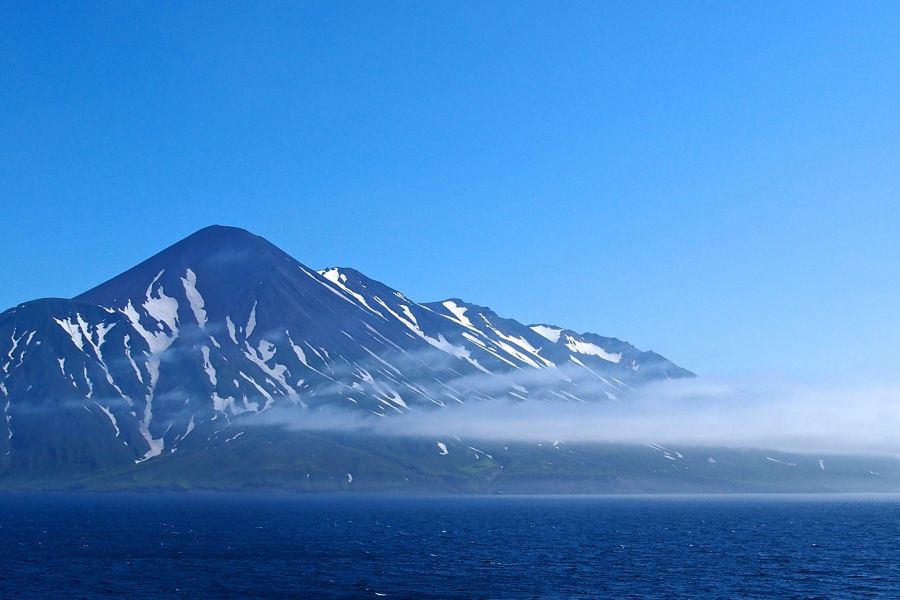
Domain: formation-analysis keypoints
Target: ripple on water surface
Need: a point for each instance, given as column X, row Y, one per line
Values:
column 188, row 546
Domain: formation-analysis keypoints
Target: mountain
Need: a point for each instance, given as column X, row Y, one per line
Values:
column 158, row 376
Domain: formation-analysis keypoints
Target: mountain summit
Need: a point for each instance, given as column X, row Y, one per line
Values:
column 195, row 343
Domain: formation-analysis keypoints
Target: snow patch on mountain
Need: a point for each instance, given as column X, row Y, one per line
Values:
column 582, row 347
column 110, row 416
column 339, row 279
column 459, row 312
column 551, row 333
column 195, row 300
column 162, row 308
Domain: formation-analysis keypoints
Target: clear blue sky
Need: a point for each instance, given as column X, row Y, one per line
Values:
column 719, row 182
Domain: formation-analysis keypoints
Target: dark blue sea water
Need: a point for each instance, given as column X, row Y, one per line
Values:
column 196, row 546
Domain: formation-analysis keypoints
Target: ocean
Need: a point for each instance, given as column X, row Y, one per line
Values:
column 350, row 546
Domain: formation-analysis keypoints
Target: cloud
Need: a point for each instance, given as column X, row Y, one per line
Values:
column 833, row 417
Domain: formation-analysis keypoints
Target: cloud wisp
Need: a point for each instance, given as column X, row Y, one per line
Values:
column 789, row 416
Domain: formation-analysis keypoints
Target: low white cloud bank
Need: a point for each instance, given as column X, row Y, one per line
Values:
column 832, row 418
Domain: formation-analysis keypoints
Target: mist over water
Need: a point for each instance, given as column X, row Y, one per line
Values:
column 827, row 417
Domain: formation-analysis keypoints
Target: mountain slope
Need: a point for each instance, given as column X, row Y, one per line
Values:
column 223, row 326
